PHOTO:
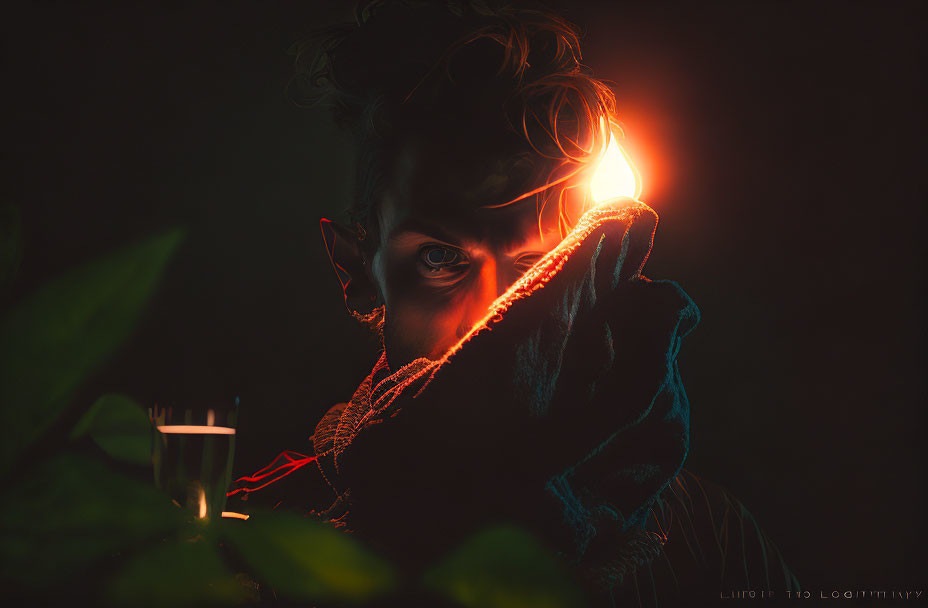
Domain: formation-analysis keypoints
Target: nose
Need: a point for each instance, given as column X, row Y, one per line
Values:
column 490, row 282
column 490, row 285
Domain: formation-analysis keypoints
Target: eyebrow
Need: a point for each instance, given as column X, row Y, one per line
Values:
column 417, row 226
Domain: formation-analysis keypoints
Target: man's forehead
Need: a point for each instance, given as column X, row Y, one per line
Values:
column 511, row 228
column 453, row 173
column 460, row 167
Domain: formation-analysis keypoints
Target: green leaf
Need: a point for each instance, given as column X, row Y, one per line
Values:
column 120, row 426
column 308, row 560
column 52, row 340
column 72, row 511
column 175, row 572
column 503, row 567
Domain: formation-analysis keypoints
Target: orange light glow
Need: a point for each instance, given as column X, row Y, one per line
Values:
column 615, row 175
column 202, row 504
column 196, row 429
column 234, row 515
column 533, row 279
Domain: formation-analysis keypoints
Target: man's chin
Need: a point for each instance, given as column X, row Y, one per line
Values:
column 400, row 351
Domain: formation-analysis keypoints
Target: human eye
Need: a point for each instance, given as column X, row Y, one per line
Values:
column 442, row 261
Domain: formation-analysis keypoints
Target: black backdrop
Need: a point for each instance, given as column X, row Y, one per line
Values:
column 780, row 142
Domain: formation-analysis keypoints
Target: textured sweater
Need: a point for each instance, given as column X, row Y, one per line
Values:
column 562, row 412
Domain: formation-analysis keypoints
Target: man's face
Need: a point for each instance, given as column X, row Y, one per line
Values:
column 443, row 256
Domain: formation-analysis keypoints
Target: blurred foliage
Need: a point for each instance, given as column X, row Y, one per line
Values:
column 304, row 558
column 74, row 523
column 177, row 572
column 53, row 339
column 120, row 427
column 71, row 510
column 503, row 567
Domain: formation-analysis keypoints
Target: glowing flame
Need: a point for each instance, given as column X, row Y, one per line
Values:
column 234, row 515
column 195, row 429
column 615, row 176
column 202, row 504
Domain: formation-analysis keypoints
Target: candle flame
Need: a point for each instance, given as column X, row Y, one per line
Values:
column 202, row 504
column 615, row 175
column 195, row 429
column 234, row 515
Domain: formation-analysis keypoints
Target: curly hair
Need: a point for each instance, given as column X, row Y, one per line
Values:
column 401, row 60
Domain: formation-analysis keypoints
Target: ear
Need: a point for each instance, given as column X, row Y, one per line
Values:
column 345, row 251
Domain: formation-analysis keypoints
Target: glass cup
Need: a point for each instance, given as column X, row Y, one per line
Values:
column 192, row 451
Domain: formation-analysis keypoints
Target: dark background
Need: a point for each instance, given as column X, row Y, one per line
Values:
column 780, row 143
